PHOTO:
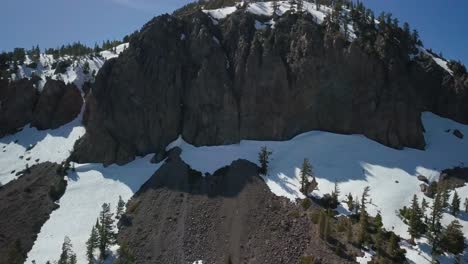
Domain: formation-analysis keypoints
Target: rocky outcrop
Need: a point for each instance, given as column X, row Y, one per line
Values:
column 25, row 205
column 218, row 84
column 17, row 101
column 58, row 104
column 179, row 216
column 21, row 103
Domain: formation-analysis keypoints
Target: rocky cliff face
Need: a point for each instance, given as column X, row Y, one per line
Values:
column 21, row 103
column 218, row 84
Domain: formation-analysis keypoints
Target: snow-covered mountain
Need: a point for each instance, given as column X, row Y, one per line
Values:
column 222, row 83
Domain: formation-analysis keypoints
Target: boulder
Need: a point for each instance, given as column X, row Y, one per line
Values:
column 458, row 134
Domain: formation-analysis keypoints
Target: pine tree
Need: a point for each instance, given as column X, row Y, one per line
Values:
column 350, row 202
column 67, row 256
column 91, row 244
column 424, row 206
column 363, row 218
column 455, row 206
column 453, row 240
column 365, row 195
column 393, row 246
column 335, row 195
column 416, row 226
column 378, row 221
column 107, row 235
column 306, row 172
column 263, row 158
column 435, row 226
column 86, row 68
column 443, row 188
column 120, row 208
column 466, row 205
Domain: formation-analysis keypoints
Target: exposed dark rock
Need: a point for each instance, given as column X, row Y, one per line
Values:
column 454, row 178
column 423, row 178
column 17, row 101
column 26, row 204
column 223, row 83
column 178, row 216
column 20, row 104
column 458, row 134
column 58, row 104
column 424, row 187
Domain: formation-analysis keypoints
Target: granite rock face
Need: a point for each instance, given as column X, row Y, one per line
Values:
column 21, row 103
column 218, row 84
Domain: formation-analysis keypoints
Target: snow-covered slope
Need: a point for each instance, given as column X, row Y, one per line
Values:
column 31, row 146
column 88, row 188
column 354, row 162
column 75, row 73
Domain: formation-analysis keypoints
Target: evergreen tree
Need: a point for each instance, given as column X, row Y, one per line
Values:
column 86, row 68
column 350, row 202
column 466, row 205
column 455, row 206
column 91, row 244
column 120, row 208
column 424, row 206
column 453, row 240
column 263, row 158
column 335, row 195
column 416, row 226
column 378, row 221
column 363, row 218
column 107, row 235
column 443, row 188
column 67, row 256
column 306, row 172
column 365, row 195
column 435, row 226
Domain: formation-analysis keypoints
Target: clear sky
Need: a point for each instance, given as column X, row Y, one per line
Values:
column 443, row 24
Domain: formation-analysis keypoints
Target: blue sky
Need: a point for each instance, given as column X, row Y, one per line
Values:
column 443, row 25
